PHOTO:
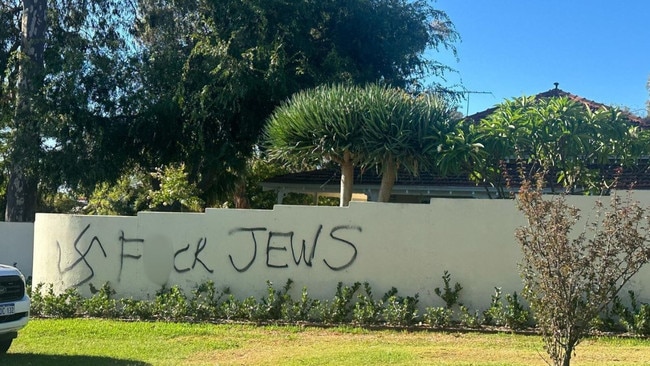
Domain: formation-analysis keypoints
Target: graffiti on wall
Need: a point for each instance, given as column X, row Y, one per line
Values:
column 278, row 249
column 284, row 241
column 94, row 241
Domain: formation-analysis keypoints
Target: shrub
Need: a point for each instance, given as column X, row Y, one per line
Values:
column 400, row 310
column 204, row 304
column 438, row 317
column 367, row 310
column 231, row 308
column 495, row 314
column 570, row 278
column 469, row 319
column 339, row 310
column 137, row 309
column 171, row 304
column 299, row 310
column 101, row 304
column 516, row 316
column 636, row 318
column 37, row 301
column 64, row 305
column 448, row 294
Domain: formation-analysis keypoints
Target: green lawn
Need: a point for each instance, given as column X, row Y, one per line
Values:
column 108, row 342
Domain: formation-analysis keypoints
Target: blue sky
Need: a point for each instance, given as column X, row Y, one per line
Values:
column 597, row 49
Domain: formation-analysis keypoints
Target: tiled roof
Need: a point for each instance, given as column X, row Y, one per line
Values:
column 332, row 177
column 637, row 177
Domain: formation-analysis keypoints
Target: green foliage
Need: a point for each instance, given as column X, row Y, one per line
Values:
column 517, row 317
column 437, row 317
column 513, row 315
column 271, row 306
column 232, row 308
column 459, row 150
column 448, row 294
column 100, row 304
column 208, row 304
column 469, row 319
column 126, row 197
column 156, row 85
column 340, row 309
column 78, row 96
column 636, row 318
column 137, row 309
column 214, row 82
column 165, row 189
column 495, row 314
column 277, row 305
column 64, row 305
column 400, row 310
column 35, row 294
column 374, row 126
column 173, row 191
column 559, row 136
column 317, row 125
column 171, row 304
column 300, row 310
column 59, row 202
column 204, row 303
column 367, row 310
column 293, row 198
column 258, row 169
column 252, row 310
column 402, row 131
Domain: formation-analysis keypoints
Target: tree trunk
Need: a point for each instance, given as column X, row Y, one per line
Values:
column 26, row 144
column 569, row 348
column 241, row 201
column 347, row 179
column 388, row 176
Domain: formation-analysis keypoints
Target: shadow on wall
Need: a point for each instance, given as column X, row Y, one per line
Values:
column 17, row 245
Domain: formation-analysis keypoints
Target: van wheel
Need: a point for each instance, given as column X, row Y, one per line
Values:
column 4, row 346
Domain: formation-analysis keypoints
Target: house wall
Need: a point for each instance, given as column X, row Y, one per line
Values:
column 17, row 245
column 402, row 245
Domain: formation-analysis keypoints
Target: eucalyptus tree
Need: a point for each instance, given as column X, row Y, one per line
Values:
column 10, row 35
column 89, row 93
column 10, row 14
column 89, row 90
column 562, row 136
column 65, row 83
column 23, row 155
column 215, row 70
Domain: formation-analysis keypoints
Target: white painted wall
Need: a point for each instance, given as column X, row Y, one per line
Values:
column 407, row 246
column 17, row 245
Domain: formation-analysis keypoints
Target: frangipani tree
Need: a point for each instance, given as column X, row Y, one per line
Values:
column 556, row 134
column 371, row 126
